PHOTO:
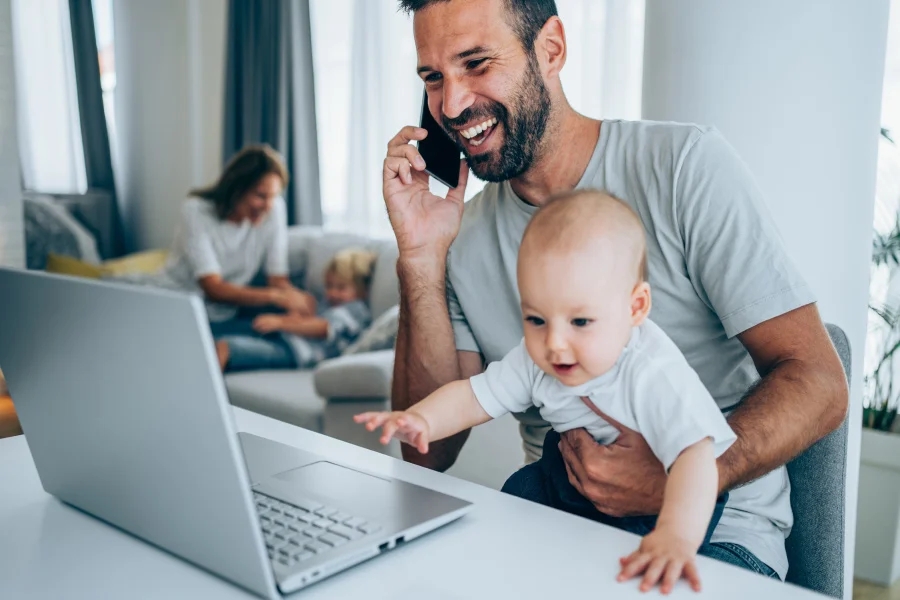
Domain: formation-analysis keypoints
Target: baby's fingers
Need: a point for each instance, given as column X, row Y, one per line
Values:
column 671, row 575
column 692, row 575
column 373, row 420
column 390, row 428
column 653, row 573
column 636, row 564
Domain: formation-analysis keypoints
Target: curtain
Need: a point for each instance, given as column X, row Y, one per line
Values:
column 269, row 94
column 94, row 134
column 365, row 67
column 49, row 127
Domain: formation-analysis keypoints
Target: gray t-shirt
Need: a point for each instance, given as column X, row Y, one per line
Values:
column 207, row 245
column 716, row 265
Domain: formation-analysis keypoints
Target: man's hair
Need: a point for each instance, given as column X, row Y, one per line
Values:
column 527, row 16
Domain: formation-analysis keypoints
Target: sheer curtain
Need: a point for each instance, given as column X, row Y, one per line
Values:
column 49, row 127
column 367, row 89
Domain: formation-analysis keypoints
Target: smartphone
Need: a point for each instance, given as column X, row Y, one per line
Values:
column 441, row 154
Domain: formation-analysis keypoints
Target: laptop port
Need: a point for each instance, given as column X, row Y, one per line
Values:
column 401, row 540
column 384, row 546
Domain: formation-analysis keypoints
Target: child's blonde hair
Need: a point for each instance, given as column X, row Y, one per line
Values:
column 355, row 265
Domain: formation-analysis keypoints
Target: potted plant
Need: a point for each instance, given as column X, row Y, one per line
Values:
column 878, row 513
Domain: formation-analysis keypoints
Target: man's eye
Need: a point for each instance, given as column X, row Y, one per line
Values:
column 537, row 321
column 474, row 64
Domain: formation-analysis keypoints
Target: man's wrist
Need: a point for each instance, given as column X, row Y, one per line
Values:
column 422, row 266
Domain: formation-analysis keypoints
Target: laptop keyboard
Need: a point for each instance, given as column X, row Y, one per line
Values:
column 297, row 532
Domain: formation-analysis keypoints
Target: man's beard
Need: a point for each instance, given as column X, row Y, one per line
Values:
column 524, row 127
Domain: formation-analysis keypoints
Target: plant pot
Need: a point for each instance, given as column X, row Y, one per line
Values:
column 878, row 514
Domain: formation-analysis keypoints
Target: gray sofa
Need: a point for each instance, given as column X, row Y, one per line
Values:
column 326, row 398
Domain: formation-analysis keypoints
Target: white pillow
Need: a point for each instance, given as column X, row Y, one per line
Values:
column 87, row 245
column 380, row 335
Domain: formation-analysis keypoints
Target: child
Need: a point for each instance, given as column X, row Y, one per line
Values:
column 588, row 347
column 294, row 340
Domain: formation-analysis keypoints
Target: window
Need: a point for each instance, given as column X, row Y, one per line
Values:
column 364, row 58
column 103, row 28
column 50, row 146
column 884, row 288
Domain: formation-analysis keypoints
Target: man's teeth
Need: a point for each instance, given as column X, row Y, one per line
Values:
column 477, row 129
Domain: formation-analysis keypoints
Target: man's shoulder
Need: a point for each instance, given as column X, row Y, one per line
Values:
column 650, row 135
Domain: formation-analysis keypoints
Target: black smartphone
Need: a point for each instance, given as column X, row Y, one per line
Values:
column 441, row 154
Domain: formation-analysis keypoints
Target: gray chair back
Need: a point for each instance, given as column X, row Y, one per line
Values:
column 815, row 548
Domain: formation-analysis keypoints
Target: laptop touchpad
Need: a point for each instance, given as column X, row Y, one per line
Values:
column 333, row 480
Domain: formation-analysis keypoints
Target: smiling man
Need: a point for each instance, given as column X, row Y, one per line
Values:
column 724, row 289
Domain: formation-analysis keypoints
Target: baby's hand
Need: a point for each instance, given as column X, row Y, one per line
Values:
column 267, row 323
column 662, row 555
column 405, row 426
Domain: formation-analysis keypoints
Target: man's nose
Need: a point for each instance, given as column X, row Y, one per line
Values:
column 456, row 98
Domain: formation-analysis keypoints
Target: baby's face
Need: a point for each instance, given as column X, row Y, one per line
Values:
column 577, row 315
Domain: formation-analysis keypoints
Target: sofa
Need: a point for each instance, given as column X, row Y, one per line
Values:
column 324, row 399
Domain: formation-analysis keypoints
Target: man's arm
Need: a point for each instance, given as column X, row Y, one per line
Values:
column 801, row 397
column 425, row 354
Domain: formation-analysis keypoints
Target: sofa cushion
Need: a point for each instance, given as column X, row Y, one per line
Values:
column 366, row 375
column 380, row 335
column 385, row 289
column 287, row 395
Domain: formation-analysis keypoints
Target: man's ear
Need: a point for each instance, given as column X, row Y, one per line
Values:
column 550, row 46
column 640, row 303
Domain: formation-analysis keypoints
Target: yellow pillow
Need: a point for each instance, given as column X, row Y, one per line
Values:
column 66, row 265
column 149, row 261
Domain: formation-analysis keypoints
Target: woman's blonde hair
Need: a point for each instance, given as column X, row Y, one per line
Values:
column 355, row 265
column 243, row 171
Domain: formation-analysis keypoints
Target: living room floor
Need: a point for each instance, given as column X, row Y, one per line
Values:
column 863, row 590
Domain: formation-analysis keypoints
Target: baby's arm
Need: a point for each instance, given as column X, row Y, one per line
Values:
column 449, row 410
column 670, row 550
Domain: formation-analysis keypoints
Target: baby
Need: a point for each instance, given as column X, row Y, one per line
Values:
column 590, row 358
column 295, row 340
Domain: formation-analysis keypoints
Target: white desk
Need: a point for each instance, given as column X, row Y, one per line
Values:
column 505, row 548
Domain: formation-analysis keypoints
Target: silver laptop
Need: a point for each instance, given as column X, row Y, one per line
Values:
column 127, row 418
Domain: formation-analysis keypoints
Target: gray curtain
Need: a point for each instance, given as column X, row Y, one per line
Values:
column 270, row 94
column 94, row 135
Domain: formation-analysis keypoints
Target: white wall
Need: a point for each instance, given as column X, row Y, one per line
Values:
column 796, row 88
column 12, row 247
column 170, row 65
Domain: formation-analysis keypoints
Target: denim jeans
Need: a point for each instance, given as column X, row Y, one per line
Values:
column 258, row 352
column 546, row 482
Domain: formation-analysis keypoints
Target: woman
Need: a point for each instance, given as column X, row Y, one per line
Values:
column 228, row 233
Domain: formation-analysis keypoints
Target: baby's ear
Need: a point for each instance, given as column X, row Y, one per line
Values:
column 640, row 303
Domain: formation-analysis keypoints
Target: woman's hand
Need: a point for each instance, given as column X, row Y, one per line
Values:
column 406, row 426
column 266, row 324
column 295, row 301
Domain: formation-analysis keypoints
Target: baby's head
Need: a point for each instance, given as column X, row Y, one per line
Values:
column 348, row 276
column 582, row 281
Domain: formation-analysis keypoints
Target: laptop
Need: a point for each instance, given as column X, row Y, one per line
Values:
column 125, row 411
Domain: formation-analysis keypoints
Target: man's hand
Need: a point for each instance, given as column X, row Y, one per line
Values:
column 622, row 479
column 266, row 324
column 421, row 221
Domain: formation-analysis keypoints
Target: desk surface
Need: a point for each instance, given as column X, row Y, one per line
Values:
column 504, row 548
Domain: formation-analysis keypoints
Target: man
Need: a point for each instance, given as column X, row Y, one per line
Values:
column 724, row 289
